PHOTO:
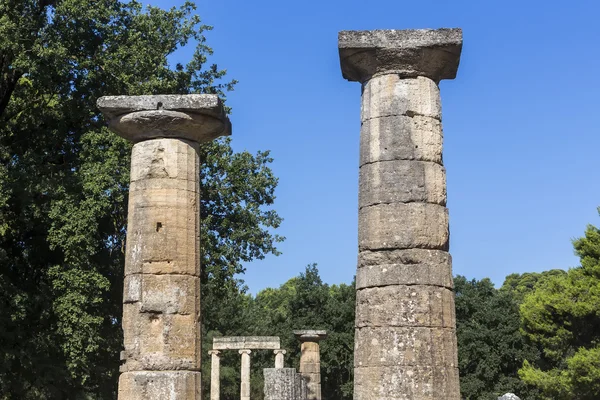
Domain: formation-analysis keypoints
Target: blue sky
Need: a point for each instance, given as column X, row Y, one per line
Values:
column 522, row 140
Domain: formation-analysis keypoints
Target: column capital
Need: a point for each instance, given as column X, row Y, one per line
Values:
column 310, row 335
column 195, row 117
column 244, row 351
column 279, row 351
column 433, row 53
column 214, row 352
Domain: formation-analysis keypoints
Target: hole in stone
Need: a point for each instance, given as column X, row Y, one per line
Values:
column 158, row 226
column 417, row 146
column 159, row 105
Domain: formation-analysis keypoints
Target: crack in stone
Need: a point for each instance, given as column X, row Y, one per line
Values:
column 410, row 114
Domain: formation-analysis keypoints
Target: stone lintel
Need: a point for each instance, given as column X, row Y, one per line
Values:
column 246, row 342
column 433, row 53
column 310, row 335
column 196, row 117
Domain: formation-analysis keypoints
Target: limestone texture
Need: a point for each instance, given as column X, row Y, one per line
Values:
column 405, row 338
column 246, row 342
column 161, row 291
column 410, row 53
column 283, row 384
column 310, row 361
column 245, row 375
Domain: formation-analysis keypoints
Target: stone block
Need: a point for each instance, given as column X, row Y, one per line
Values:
column 395, row 346
column 405, row 306
column 197, row 117
column 246, row 342
column 164, row 240
column 390, row 95
column 283, row 384
column 406, row 382
column 434, row 53
column 157, row 341
column 404, row 267
column 400, row 137
column 165, row 294
column 165, row 158
column 154, row 385
column 402, row 181
column 403, row 226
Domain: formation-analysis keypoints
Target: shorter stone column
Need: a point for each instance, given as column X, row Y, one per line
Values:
column 279, row 358
column 245, row 375
column 215, row 366
column 310, row 360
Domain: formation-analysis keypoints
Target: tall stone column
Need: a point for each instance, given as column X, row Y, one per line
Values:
column 161, row 300
column 405, row 342
column 310, row 360
column 245, row 375
column 215, row 370
column 279, row 354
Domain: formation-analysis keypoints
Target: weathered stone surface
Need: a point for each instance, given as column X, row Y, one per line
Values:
column 406, row 382
column 394, row 346
column 245, row 375
column 164, row 220
column 405, row 267
column 401, row 138
column 157, row 341
column 197, row 117
column 509, row 396
column 402, row 181
column 279, row 358
column 310, row 361
column 246, row 342
column 171, row 385
column 215, row 371
column 166, row 158
column 407, row 53
column 403, row 226
column 405, row 326
column 390, row 95
column 163, row 294
column 283, row 384
column 405, row 306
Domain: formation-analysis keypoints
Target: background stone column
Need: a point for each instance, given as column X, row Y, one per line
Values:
column 245, row 375
column 405, row 339
column 215, row 370
column 310, row 361
column 279, row 361
column 161, row 299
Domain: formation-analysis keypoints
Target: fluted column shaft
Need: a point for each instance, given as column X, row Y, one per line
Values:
column 279, row 361
column 245, row 375
column 215, row 371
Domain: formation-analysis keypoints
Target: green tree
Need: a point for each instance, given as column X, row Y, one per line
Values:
column 305, row 302
column 562, row 316
column 490, row 347
column 64, row 182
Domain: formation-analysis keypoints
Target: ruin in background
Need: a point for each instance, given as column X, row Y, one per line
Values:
column 405, row 336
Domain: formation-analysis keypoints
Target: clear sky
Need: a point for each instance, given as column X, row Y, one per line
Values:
column 522, row 141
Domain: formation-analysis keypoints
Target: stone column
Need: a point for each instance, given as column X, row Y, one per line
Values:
column 245, row 375
column 279, row 358
column 405, row 339
column 161, row 300
column 215, row 369
column 310, row 361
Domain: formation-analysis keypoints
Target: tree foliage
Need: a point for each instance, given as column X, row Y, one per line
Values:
column 490, row 347
column 64, row 182
column 562, row 316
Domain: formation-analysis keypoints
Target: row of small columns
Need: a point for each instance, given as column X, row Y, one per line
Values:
column 215, row 384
